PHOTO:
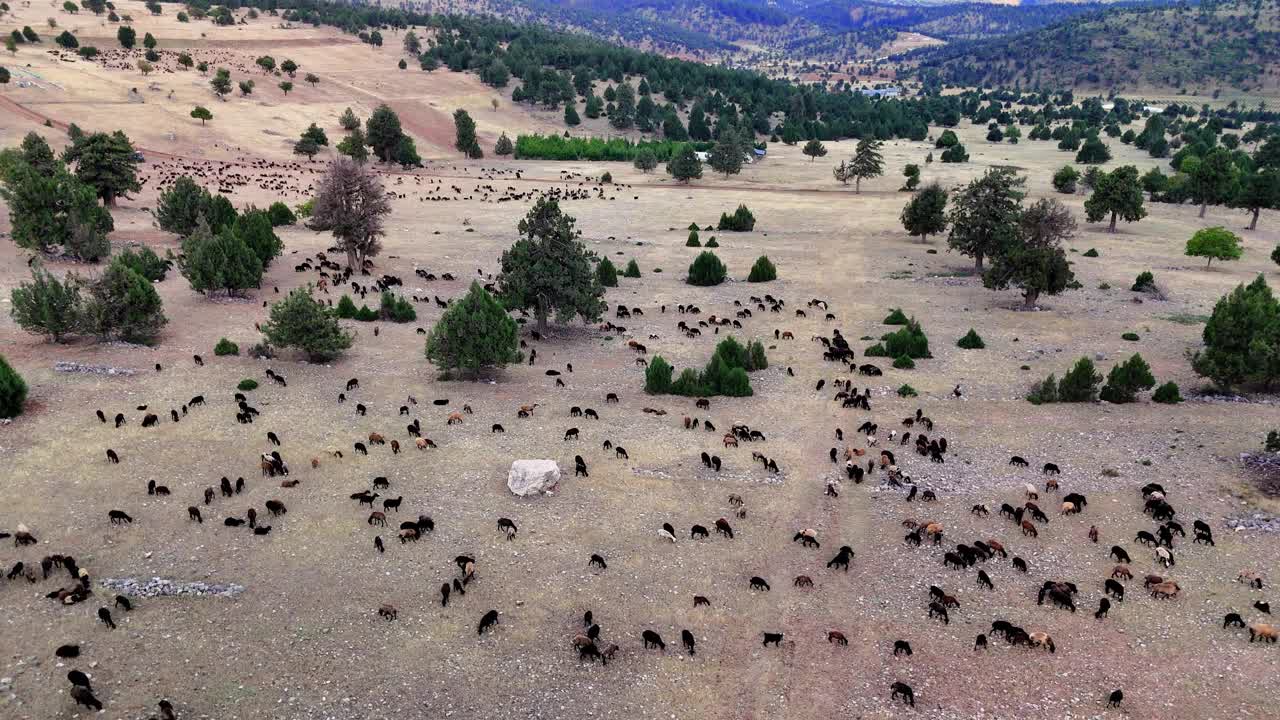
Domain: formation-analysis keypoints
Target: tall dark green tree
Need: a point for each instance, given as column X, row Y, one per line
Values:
column 1257, row 191
column 473, row 334
column 107, row 162
column 383, row 132
column 1213, row 179
column 219, row 262
column 866, row 163
column 465, row 133
column 726, row 156
column 925, row 214
column 55, row 211
column 549, row 271
column 123, row 304
column 684, row 165
column 1034, row 261
column 984, row 216
column 1118, row 194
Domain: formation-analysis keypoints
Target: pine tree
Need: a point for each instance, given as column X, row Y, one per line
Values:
column 474, row 333
column 867, row 162
column 549, row 270
column 684, row 165
column 925, row 213
column 464, row 133
column 47, row 305
column 13, row 390
column 303, row 322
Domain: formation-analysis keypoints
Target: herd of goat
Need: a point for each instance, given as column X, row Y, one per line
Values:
column 876, row 446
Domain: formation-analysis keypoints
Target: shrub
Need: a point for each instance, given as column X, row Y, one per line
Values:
column 1127, row 379
column 247, row 384
column 395, row 308
column 955, row 154
column 1091, row 252
column 1130, row 336
column 1044, row 392
column 474, row 333
column 657, row 377
column 712, row 243
column 876, row 350
column 693, row 239
column 13, row 391
column 226, row 347
column 706, row 270
column 1167, row 394
column 1080, row 384
column 47, row 305
column 740, row 221
column 632, row 270
column 280, row 214
column 1241, row 337
column 123, row 304
column 1065, row 179
column 1145, row 282
column 895, row 317
column 346, row 308
column 971, row 341
column 909, row 340
column 607, row 273
column 145, row 262
column 763, row 270
column 606, row 178
column 303, row 322
column 366, row 314
column 904, row 363
column 261, row 351
column 1275, row 255
column 1271, row 444
column 907, row 391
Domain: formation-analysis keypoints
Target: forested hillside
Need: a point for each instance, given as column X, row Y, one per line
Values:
column 824, row 30
column 1214, row 46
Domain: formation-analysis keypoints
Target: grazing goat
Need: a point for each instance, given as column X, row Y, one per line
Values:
column 758, row 583
column 653, row 639
column 1263, row 632
column 836, row 637
column 388, row 612
column 775, row 638
column 487, row 621
column 904, row 691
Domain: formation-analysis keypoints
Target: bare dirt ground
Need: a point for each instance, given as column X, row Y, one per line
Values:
column 304, row 641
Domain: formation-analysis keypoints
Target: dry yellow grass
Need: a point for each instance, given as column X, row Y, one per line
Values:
column 305, row 641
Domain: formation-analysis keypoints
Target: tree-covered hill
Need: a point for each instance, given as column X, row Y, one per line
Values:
column 1212, row 46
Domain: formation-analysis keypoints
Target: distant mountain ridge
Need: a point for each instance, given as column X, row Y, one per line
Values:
column 1233, row 44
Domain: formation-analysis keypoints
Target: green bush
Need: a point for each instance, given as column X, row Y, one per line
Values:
column 1127, row 379
column 1275, row 255
column 366, row 314
column 247, row 384
column 396, row 309
column 1091, row 252
column 895, row 317
column 1145, row 282
column 907, row 391
column 693, row 240
column 971, row 341
column 145, row 262
column 303, row 322
column 706, row 270
column 606, row 178
column 1241, row 337
column 1044, row 392
column 558, row 147
column 725, row 374
column 1080, row 384
column 124, row 305
column 909, row 340
column 657, row 377
column 1130, row 336
column 474, row 333
column 1065, row 179
column 1167, row 394
column 1271, row 444
column 876, row 350
column 280, row 214
column 13, row 391
column 955, row 154
column 904, row 363
column 226, row 347
column 346, row 308
column 740, row 221
column 47, row 305
column 607, row 273
column 713, row 244
column 632, row 270
column 763, row 270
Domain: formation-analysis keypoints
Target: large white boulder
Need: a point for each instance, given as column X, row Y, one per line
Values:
column 533, row 477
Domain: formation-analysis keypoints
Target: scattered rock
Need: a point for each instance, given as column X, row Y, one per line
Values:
column 533, row 477
column 64, row 366
column 160, row 587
